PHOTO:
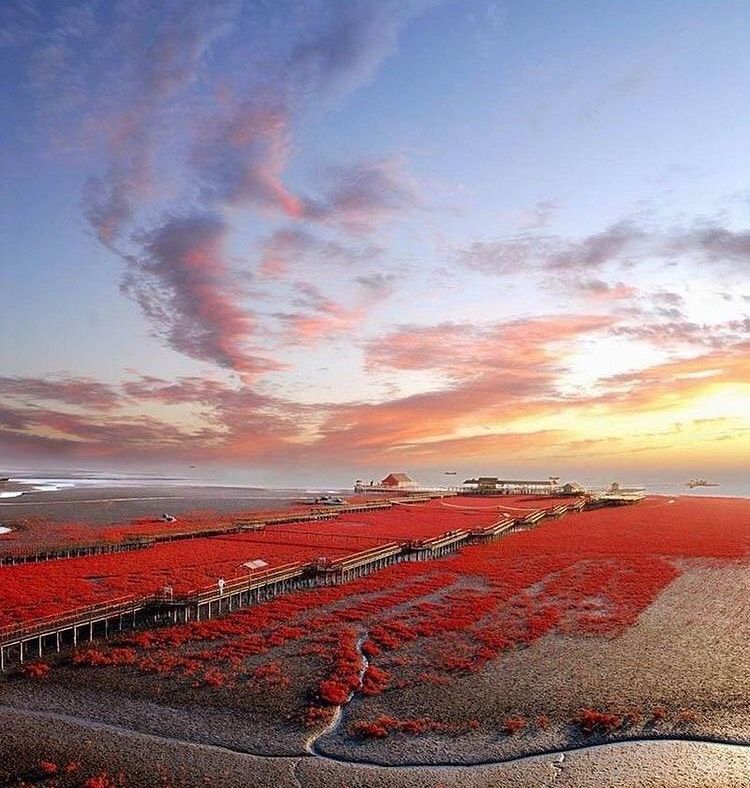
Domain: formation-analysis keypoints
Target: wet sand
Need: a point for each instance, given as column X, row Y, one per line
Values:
column 148, row 760
column 108, row 505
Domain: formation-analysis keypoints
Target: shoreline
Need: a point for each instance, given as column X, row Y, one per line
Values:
column 662, row 763
column 314, row 753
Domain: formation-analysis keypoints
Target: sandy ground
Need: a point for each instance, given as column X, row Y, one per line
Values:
column 687, row 651
column 151, row 761
column 104, row 505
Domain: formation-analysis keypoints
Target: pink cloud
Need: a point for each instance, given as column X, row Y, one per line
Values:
column 517, row 348
column 241, row 157
column 496, row 373
column 74, row 391
column 183, row 285
column 318, row 316
column 361, row 196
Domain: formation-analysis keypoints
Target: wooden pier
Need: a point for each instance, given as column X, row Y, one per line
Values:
column 494, row 531
column 33, row 639
column 52, row 553
column 141, row 541
column 234, row 594
column 437, row 546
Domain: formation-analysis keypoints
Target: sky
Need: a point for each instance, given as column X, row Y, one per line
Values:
column 307, row 242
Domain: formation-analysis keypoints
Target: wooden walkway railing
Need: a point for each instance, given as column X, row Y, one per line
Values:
column 19, row 555
column 165, row 607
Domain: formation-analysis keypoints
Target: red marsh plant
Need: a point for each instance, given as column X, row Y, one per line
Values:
column 594, row 721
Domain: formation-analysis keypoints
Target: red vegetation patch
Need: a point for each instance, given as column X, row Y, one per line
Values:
column 48, row 767
column 213, row 677
column 659, row 713
column 36, row 670
column 344, row 671
column 589, row 574
column 36, row 590
column 514, row 724
column 102, row 780
column 375, row 680
column 384, row 725
column 316, row 716
column 112, row 656
column 594, row 721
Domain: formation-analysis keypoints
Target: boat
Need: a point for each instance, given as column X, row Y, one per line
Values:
column 329, row 500
column 323, row 500
column 450, row 473
column 700, row 483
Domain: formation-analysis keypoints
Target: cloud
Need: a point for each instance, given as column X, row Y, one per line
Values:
column 601, row 290
column 542, row 214
column 518, row 349
column 127, row 101
column 363, row 195
column 107, row 203
column 317, row 317
column 182, row 284
column 512, row 375
column 198, row 418
column 377, row 285
column 711, row 243
column 662, row 386
column 622, row 244
column 595, row 250
column 188, row 111
column 625, row 86
column 240, row 159
column 346, row 42
column 553, row 254
column 283, row 249
column 73, row 391
column 493, row 374
column 291, row 249
column 19, row 20
column 686, row 332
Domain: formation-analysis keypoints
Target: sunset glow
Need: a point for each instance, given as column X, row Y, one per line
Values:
column 324, row 240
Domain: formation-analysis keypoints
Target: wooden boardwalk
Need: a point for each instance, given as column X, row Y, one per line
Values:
column 33, row 639
column 141, row 541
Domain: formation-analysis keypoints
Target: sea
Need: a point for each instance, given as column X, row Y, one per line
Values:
column 24, row 482
column 104, row 497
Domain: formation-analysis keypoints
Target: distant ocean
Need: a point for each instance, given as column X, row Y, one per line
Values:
column 729, row 490
column 39, row 486
column 24, row 482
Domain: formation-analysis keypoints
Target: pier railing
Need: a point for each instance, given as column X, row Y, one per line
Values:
column 165, row 606
column 43, row 624
column 21, row 555
column 248, row 582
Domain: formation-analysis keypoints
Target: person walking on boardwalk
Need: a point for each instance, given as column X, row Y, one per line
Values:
column 221, row 584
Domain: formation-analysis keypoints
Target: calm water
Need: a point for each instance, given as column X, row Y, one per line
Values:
column 104, row 499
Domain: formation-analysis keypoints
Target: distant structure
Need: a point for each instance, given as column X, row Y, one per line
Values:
column 398, row 481
column 571, row 488
column 492, row 485
column 393, row 483
column 616, row 494
column 329, row 500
